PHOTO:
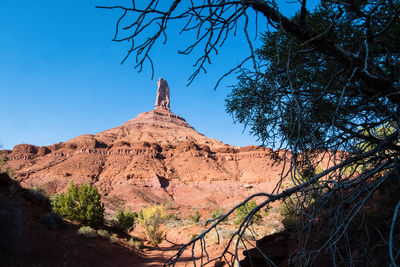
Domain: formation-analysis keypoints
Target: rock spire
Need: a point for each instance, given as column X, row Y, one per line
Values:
column 162, row 99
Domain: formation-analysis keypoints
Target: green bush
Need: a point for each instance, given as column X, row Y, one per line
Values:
column 151, row 219
column 218, row 213
column 172, row 217
column 195, row 217
column 290, row 216
column 82, row 205
column 125, row 220
column 244, row 210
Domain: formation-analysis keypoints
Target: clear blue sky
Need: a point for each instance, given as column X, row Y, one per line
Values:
column 60, row 76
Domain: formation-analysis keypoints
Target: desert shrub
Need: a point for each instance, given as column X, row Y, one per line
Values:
column 135, row 242
column 151, row 219
column 169, row 205
column 87, row 231
column 291, row 206
column 220, row 235
column 172, row 217
column 11, row 174
column 104, row 234
column 291, row 218
column 125, row 220
column 82, row 205
column 114, row 238
column 244, row 210
column 174, row 222
column 195, row 217
column 3, row 160
column 52, row 220
column 218, row 213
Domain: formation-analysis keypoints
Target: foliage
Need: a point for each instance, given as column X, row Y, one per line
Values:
column 195, row 217
column 104, row 234
column 220, row 235
column 218, row 213
column 243, row 211
column 172, row 217
column 3, row 160
column 135, row 242
column 169, row 205
column 125, row 220
column 10, row 173
column 87, row 231
column 82, row 205
column 291, row 217
column 292, row 206
column 151, row 219
column 114, row 238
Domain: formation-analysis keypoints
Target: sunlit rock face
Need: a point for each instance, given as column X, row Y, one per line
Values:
column 162, row 99
column 152, row 158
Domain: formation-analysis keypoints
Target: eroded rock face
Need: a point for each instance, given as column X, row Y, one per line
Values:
column 153, row 158
column 162, row 99
column 25, row 149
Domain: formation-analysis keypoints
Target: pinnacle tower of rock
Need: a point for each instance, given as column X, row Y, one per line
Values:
column 162, row 99
column 150, row 158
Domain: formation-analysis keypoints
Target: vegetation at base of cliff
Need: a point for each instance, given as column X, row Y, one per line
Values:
column 82, row 205
column 104, row 234
column 87, row 231
column 125, row 220
column 243, row 211
column 195, row 217
column 289, row 208
column 152, row 219
column 3, row 160
column 217, row 214
column 135, row 242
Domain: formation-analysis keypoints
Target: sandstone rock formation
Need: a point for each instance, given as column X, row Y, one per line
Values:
column 154, row 158
column 162, row 99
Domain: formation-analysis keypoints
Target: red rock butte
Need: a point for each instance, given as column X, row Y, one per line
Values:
column 154, row 158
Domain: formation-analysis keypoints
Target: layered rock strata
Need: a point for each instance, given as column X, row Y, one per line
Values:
column 154, row 158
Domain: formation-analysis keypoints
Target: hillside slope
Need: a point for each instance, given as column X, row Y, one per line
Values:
column 156, row 157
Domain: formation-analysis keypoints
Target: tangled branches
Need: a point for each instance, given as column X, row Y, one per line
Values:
column 324, row 87
column 338, row 201
column 211, row 23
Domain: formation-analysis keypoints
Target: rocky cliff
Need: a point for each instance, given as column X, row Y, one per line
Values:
column 153, row 158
